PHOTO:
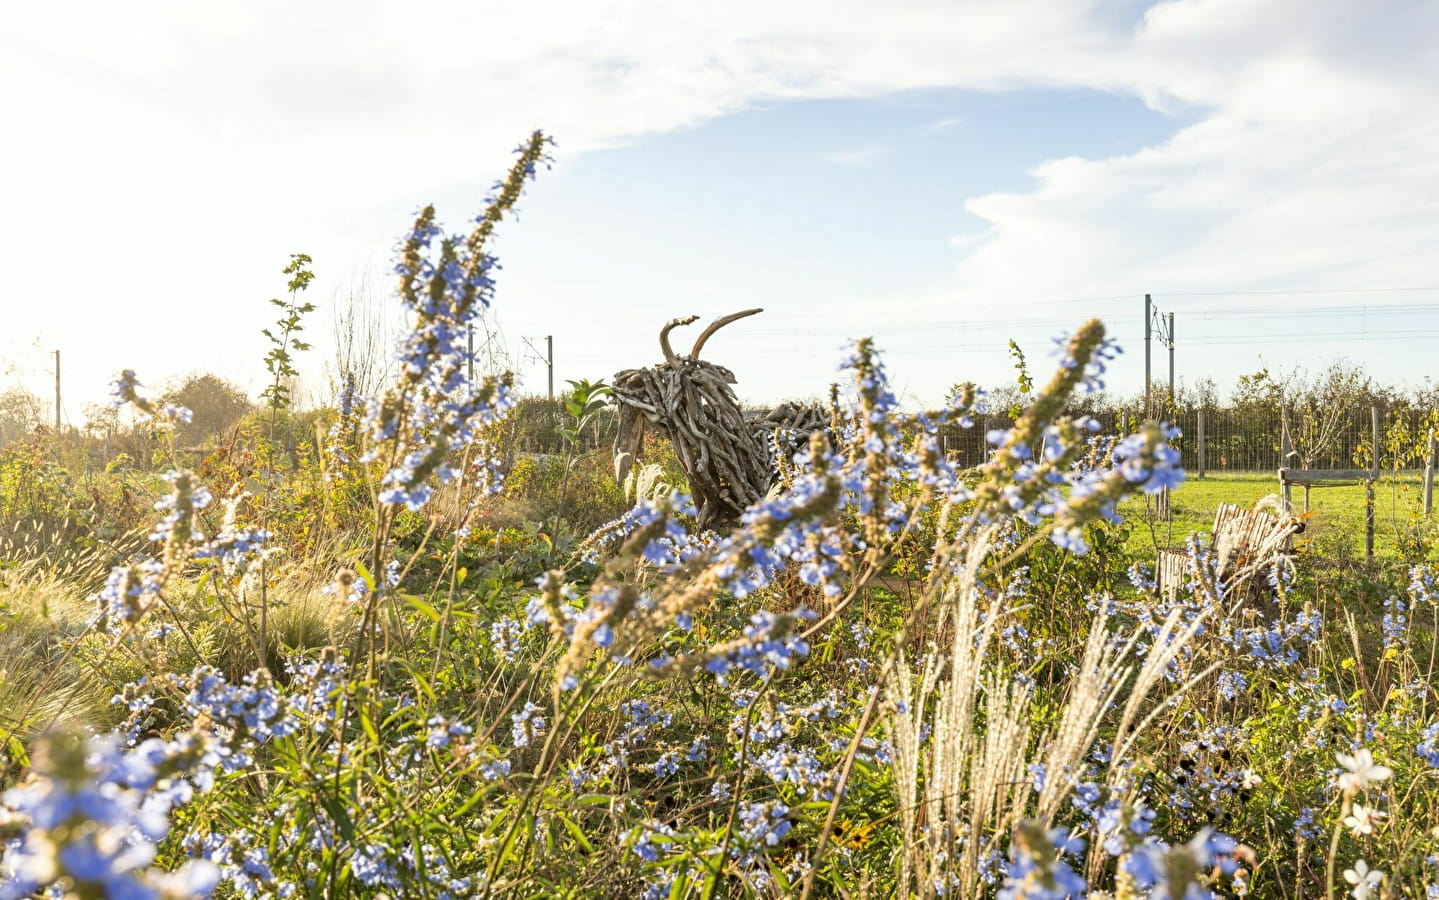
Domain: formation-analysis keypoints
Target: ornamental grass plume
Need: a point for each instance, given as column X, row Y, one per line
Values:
column 967, row 780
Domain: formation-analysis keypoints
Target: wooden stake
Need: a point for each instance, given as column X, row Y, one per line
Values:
column 1429, row 477
column 1201, row 442
column 1369, row 520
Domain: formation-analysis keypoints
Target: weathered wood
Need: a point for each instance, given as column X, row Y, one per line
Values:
column 1201, row 442
column 1315, row 476
column 1246, row 542
column 716, row 325
column 1374, row 438
column 1284, row 452
column 629, row 439
column 730, row 459
column 1429, row 477
column 1369, row 520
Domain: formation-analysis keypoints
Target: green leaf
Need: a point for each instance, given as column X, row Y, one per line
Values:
column 426, row 609
column 369, row 726
column 576, row 832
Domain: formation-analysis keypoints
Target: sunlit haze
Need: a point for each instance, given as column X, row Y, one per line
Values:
column 942, row 176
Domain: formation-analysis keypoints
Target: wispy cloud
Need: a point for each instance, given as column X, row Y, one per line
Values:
column 940, row 126
column 1311, row 167
column 862, row 157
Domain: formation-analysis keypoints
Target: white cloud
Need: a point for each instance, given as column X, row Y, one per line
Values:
column 170, row 155
column 1314, row 164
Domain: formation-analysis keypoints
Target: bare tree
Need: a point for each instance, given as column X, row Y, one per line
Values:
column 20, row 413
column 363, row 337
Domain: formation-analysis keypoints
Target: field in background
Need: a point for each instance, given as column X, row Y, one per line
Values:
column 1334, row 525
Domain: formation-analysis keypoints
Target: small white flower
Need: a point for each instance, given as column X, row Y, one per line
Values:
column 1362, row 771
column 1364, row 879
column 1363, row 819
column 1251, row 780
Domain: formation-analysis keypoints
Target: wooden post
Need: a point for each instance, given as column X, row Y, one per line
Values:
column 1201, row 442
column 1284, row 449
column 57, row 394
column 1369, row 485
column 1369, row 519
column 1374, row 424
column 1429, row 477
column 1286, row 446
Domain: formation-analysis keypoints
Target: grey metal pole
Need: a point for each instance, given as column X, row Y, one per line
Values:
column 1148, row 333
column 1170, row 329
column 550, row 361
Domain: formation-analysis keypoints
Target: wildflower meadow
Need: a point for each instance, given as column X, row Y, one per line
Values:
column 327, row 658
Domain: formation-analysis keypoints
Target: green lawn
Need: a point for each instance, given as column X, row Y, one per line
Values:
column 1335, row 524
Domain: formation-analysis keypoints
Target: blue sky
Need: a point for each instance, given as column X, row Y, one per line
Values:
column 799, row 207
column 941, row 176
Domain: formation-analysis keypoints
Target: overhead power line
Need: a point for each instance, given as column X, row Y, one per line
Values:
column 1388, row 290
column 1056, row 324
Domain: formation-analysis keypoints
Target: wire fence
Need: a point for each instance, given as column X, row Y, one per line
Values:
column 1252, row 439
column 1212, row 438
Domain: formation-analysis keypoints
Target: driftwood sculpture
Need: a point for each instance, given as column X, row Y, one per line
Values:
column 731, row 459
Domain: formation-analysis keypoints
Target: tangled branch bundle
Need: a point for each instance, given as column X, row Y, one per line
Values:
column 730, row 459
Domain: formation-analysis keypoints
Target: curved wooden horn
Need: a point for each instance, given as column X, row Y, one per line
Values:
column 716, row 325
column 665, row 337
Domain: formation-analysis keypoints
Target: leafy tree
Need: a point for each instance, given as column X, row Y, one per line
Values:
column 216, row 405
column 1323, row 405
column 20, row 413
column 279, row 360
column 1025, row 382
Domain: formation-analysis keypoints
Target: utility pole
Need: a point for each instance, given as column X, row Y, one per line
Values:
column 1169, row 327
column 57, row 393
column 549, row 359
column 1148, row 333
